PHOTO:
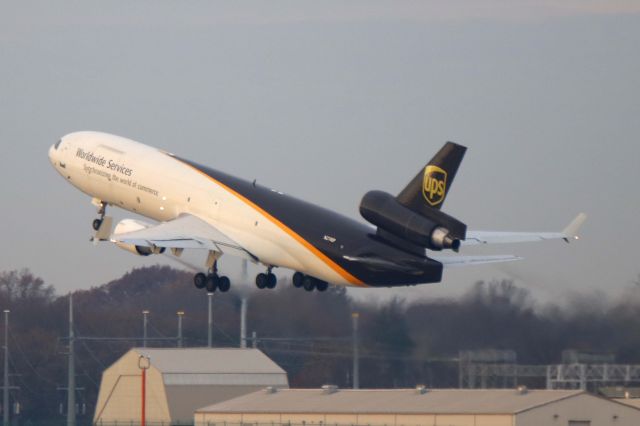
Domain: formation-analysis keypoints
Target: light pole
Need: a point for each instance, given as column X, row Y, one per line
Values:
column 180, row 315
column 145, row 315
column 71, row 370
column 5, row 389
column 144, row 362
column 356, row 358
column 210, row 323
column 243, row 322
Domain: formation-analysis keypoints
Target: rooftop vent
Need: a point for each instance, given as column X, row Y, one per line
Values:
column 522, row 390
column 421, row 389
column 329, row 389
column 270, row 389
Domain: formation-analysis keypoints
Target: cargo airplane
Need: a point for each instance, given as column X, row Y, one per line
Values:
column 197, row 207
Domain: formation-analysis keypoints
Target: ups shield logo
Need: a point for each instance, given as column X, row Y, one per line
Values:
column 434, row 185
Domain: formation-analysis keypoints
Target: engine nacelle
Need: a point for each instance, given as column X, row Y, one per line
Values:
column 130, row 225
column 384, row 211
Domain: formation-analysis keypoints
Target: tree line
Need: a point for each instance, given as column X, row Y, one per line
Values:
column 401, row 344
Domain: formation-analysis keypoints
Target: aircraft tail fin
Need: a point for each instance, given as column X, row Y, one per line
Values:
column 429, row 188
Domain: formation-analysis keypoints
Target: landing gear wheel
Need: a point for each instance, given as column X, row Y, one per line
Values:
column 224, row 284
column 200, row 280
column 322, row 286
column 212, row 283
column 309, row 283
column 298, row 278
column 272, row 280
column 102, row 211
column 261, row 281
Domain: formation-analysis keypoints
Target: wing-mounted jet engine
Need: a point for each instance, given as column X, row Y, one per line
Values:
column 131, row 225
column 414, row 216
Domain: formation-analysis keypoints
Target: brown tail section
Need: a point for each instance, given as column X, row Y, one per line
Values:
column 426, row 193
column 431, row 185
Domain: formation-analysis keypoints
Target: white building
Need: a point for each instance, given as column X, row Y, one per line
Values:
column 413, row 407
column 179, row 381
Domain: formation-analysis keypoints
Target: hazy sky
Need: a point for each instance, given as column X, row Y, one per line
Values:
column 327, row 100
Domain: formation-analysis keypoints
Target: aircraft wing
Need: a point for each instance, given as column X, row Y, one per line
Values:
column 495, row 237
column 458, row 261
column 184, row 232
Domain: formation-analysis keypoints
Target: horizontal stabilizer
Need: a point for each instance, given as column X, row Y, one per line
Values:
column 502, row 237
column 378, row 262
column 458, row 261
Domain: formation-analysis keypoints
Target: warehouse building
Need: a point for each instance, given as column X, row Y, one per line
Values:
column 179, row 381
column 624, row 395
column 420, row 406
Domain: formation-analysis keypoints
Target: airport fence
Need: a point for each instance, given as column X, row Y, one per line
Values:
column 286, row 424
column 137, row 423
column 237, row 424
column 56, row 422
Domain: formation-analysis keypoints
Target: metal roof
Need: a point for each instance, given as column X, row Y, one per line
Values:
column 184, row 400
column 398, row 401
column 184, row 361
column 633, row 402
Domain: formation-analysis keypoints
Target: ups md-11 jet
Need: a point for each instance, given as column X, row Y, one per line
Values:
column 197, row 207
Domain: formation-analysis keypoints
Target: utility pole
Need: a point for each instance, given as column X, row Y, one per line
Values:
column 180, row 315
column 144, row 362
column 356, row 357
column 71, row 380
column 243, row 322
column 145, row 319
column 210, row 323
column 5, row 389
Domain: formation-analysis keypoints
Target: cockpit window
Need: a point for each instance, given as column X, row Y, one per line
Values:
column 57, row 144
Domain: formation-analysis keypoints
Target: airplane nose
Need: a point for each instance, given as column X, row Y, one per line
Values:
column 52, row 151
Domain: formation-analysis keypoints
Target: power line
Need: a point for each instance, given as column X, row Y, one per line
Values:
column 84, row 343
column 23, row 355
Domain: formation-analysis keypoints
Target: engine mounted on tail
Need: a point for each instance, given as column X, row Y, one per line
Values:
column 414, row 215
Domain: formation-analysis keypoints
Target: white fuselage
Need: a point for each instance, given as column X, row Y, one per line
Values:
column 152, row 183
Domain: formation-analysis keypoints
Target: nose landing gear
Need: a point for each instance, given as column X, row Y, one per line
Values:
column 102, row 210
column 102, row 224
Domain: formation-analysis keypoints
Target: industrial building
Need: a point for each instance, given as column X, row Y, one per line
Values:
column 178, row 381
column 623, row 395
column 420, row 406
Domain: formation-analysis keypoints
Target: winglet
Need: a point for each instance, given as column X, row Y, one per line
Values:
column 571, row 231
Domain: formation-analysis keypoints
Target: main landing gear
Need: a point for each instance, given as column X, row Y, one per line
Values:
column 212, row 281
column 268, row 280
column 301, row 280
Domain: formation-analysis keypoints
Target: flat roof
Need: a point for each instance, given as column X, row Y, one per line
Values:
column 387, row 401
